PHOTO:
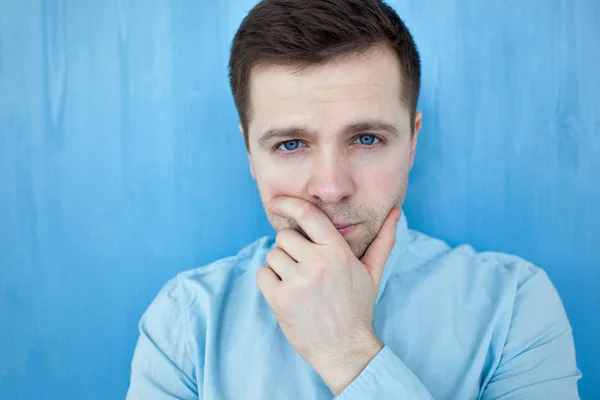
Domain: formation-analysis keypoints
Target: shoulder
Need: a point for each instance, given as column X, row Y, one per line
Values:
column 213, row 280
column 427, row 251
column 175, row 317
column 514, row 287
column 522, row 291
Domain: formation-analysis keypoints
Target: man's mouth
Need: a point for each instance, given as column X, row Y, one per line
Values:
column 345, row 229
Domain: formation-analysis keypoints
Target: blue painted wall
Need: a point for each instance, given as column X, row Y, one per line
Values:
column 121, row 164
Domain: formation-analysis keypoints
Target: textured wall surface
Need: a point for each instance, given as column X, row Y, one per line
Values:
column 121, row 164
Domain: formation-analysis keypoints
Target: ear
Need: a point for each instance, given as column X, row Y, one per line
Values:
column 413, row 147
column 247, row 151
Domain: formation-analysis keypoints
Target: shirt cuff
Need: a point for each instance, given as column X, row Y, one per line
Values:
column 385, row 377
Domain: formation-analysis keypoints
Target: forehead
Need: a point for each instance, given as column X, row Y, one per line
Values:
column 365, row 86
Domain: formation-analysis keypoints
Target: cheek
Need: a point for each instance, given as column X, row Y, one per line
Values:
column 279, row 179
column 273, row 182
column 384, row 180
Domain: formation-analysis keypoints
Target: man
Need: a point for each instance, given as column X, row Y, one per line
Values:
column 346, row 301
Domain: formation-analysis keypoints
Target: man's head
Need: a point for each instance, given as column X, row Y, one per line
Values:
column 326, row 91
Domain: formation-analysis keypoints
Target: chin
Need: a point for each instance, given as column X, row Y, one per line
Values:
column 359, row 247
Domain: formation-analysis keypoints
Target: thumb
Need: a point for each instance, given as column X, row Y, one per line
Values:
column 379, row 250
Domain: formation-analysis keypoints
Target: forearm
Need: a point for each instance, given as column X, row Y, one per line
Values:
column 339, row 370
column 385, row 377
column 370, row 370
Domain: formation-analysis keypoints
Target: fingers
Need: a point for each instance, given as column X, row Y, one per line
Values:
column 378, row 252
column 293, row 243
column 268, row 282
column 281, row 263
column 313, row 221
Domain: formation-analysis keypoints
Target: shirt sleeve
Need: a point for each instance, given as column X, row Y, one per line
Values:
column 385, row 377
column 538, row 359
column 162, row 366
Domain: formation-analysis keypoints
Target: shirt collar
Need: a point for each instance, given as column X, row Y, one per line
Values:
column 398, row 249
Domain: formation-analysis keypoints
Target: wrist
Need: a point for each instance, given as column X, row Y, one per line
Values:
column 339, row 368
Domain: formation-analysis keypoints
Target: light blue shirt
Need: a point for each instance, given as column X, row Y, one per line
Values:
column 456, row 324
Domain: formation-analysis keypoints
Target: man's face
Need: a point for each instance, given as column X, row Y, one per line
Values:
column 336, row 135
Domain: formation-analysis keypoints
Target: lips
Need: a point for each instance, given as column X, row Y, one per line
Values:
column 341, row 226
column 345, row 229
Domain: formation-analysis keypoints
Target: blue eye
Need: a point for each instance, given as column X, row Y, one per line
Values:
column 290, row 145
column 368, row 140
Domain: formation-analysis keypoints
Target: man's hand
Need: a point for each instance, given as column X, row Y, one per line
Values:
column 321, row 294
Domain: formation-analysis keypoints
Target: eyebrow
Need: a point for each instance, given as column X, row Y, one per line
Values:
column 294, row 132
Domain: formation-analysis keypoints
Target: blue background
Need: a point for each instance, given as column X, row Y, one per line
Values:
column 121, row 164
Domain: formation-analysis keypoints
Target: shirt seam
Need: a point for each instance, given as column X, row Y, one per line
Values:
column 188, row 339
column 510, row 322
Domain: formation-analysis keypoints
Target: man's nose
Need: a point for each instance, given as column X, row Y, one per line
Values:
column 331, row 180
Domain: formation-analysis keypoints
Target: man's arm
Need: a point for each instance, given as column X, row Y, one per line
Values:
column 162, row 366
column 538, row 360
column 385, row 377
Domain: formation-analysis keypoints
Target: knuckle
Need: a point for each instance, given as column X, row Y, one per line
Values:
column 262, row 272
column 269, row 257
column 316, row 259
column 283, row 236
column 260, row 276
column 319, row 270
column 342, row 256
column 391, row 242
column 307, row 210
column 273, row 255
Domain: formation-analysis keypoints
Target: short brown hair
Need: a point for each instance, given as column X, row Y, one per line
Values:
column 310, row 32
